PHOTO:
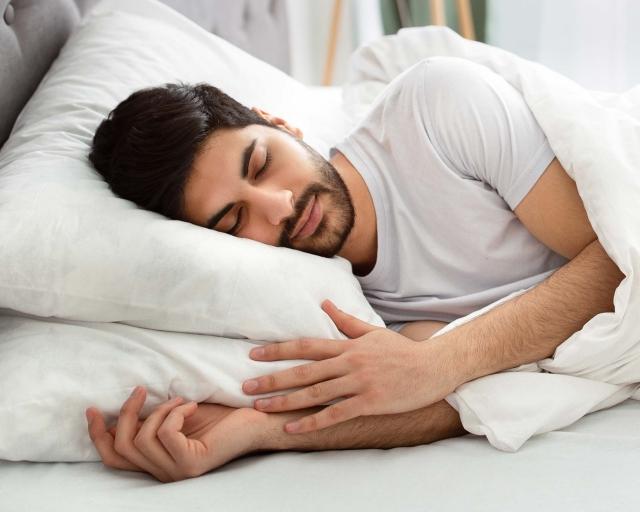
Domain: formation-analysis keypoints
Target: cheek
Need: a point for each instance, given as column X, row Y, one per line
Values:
column 265, row 234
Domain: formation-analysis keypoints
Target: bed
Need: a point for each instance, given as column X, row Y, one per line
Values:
column 590, row 465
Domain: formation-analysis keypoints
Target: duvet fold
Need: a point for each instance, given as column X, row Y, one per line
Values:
column 596, row 137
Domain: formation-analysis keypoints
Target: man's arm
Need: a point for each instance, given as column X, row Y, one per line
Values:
column 529, row 327
column 422, row 329
column 422, row 426
column 213, row 435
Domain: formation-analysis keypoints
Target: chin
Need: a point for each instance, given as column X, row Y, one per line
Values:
column 333, row 241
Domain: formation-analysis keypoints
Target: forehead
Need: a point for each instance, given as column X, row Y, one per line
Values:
column 222, row 148
column 214, row 167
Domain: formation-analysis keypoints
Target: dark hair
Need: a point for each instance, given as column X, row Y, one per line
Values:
column 146, row 146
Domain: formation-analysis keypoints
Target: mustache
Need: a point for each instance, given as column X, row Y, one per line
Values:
column 301, row 204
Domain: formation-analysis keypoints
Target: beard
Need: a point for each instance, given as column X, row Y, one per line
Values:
column 338, row 215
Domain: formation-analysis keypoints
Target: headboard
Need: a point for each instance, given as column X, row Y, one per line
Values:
column 32, row 32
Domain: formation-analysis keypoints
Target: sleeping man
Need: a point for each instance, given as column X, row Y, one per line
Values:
column 445, row 198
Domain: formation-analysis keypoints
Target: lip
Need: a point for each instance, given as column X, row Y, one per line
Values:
column 310, row 221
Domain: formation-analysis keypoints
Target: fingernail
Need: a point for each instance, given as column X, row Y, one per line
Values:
column 257, row 352
column 136, row 391
column 250, row 385
column 88, row 414
column 263, row 403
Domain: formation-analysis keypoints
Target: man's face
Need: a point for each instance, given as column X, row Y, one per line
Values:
column 283, row 178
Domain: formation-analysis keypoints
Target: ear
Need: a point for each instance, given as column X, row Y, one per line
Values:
column 279, row 122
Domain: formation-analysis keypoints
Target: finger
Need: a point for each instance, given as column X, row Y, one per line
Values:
column 216, row 446
column 147, row 442
column 112, row 430
column 303, row 348
column 316, row 394
column 126, row 431
column 327, row 417
column 301, row 375
column 103, row 441
column 349, row 325
column 175, row 442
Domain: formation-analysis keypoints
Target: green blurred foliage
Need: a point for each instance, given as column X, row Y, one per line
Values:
column 419, row 14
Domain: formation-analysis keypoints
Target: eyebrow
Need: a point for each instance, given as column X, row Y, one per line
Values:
column 244, row 171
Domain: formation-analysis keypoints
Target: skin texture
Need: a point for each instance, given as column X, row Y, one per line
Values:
column 273, row 199
column 377, row 369
column 525, row 329
column 178, row 441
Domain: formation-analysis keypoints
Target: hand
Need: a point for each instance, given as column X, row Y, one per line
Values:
column 177, row 440
column 378, row 371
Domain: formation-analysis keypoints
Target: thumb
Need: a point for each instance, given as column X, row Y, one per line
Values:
column 348, row 324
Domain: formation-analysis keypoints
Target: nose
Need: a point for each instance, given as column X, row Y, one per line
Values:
column 279, row 205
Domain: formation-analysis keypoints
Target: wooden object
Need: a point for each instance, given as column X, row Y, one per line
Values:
column 438, row 14
column 333, row 42
column 465, row 19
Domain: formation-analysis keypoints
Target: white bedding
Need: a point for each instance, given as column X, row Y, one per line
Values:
column 591, row 466
column 596, row 137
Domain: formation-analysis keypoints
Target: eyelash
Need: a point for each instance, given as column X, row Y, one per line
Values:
column 267, row 162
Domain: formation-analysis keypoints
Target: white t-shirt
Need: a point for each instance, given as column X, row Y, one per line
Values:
column 448, row 151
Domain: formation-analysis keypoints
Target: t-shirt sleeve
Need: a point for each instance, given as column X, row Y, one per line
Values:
column 482, row 127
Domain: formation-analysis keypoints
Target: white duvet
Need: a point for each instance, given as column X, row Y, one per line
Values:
column 596, row 137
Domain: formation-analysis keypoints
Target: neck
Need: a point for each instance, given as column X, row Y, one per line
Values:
column 361, row 245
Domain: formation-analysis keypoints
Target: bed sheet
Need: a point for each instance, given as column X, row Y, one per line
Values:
column 593, row 465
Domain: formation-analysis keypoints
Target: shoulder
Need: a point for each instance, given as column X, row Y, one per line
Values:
column 448, row 74
column 450, row 88
column 437, row 86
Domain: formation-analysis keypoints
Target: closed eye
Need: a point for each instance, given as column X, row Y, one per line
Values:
column 236, row 227
column 267, row 162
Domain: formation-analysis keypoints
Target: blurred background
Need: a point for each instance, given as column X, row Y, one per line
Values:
column 594, row 42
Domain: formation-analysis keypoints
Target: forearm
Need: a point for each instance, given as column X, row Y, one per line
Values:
column 422, row 426
column 531, row 326
column 421, row 330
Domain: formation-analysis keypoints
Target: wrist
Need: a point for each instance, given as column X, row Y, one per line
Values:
column 446, row 352
column 273, row 435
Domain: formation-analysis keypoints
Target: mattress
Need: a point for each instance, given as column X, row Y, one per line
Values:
column 593, row 465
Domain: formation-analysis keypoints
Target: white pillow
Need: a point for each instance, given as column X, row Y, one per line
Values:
column 52, row 370
column 72, row 250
